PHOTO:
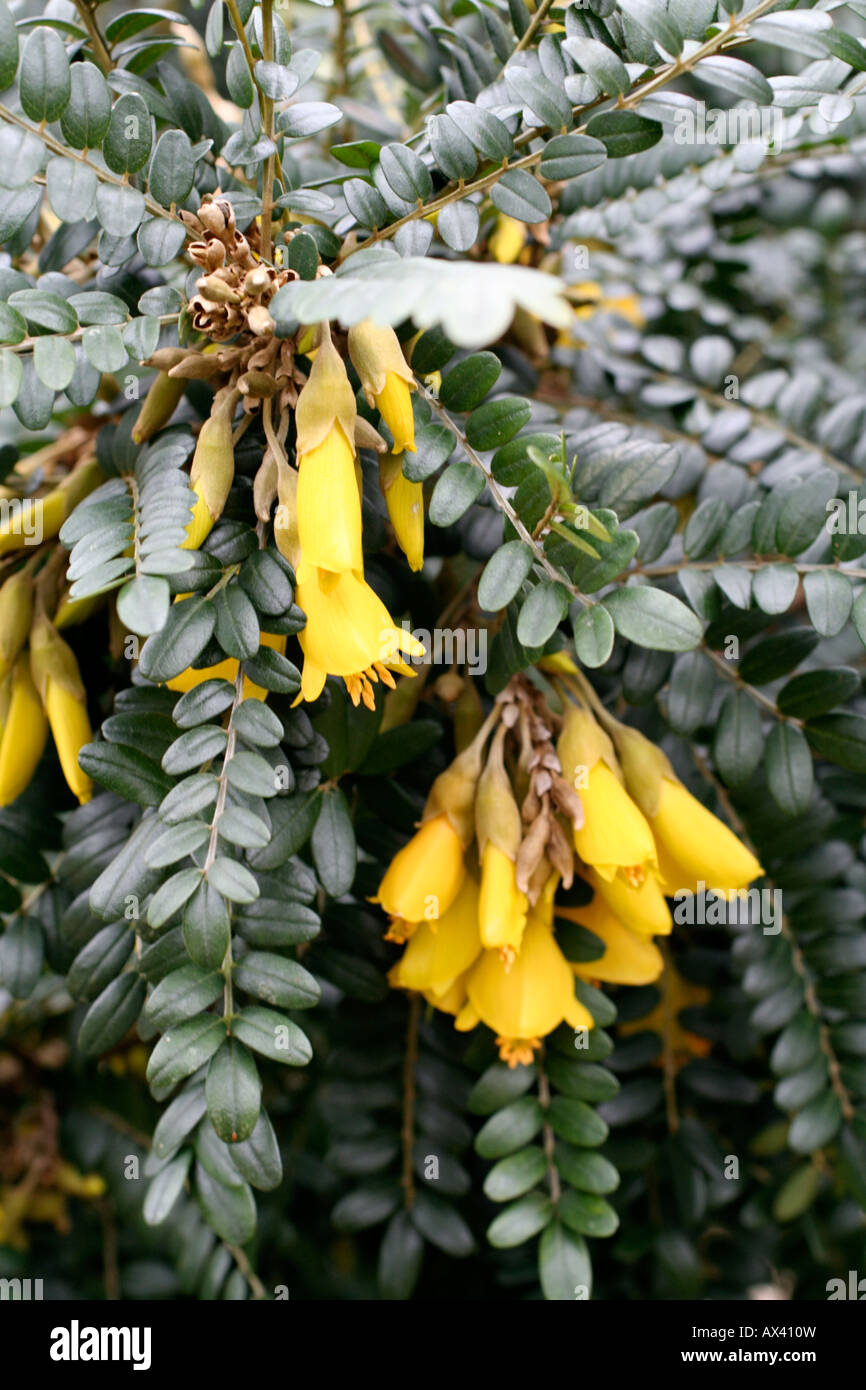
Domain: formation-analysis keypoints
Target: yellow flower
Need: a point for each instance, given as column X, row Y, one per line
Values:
column 508, row 239
column 25, row 730
column 394, row 404
column 213, row 469
column 628, row 959
column 226, row 670
column 439, row 952
column 387, row 380
column 695, row 847
column 329, row 505
column 642, row 909
column 502, row 908
column 16, row 612
column 615, row 835
column 525, row 1000
column 425, row 876
column 405, row 503
column 70, row 729
column 350, row 633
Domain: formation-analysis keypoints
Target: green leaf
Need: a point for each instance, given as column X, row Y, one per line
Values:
column 237, row 626
column 517, row 194
column 513, row 1176
column 54, row 360
column 231, row 1211
column 111, row 1015
column 509, row 1129
column 125, row 771
column 497, row 421
column 655, row 619
column 206, row 928
column 172, row 168
column 181, row 1051
column 187, row 631
column 520, row 1221
column 593, row 635
column 8, row 47
column 21, row 948
column 400, row 1258
column 43, row 79
column 503, row 575
column 816, row 1124
column 499, row 1085
column 128, row 141
column 466, row 385
column 569, row 156
column 739, row 742
column 624, row 132
column 71, row 188
column 272, row 1035
column 233, row 1090
column 165, row 1189
column 458, row 487
column 577, row 1122
column 797, row 1193
column 43, row 309
column 564, row 1265
column 284, row 983
column 600, row 62
column 816, row 692
column 333, row 844
column 86, row 118
column 183, row 994
column 789, row 769
column 588, row 1215
column 839, row 737
column 541, row 613
column 829, row 598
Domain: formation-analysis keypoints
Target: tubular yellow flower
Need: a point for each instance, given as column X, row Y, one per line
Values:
column 526, row 1000
column 36, row 519
column 642, row 909
column 350, row 633
column 213, row 469
column 387, row 380
column 70, row 729
column 16, row 614
column 498, row 830
column 628, row 959
column 615, row 836
column 502, row 908
column 24, row 733
column 158, row 406
column 425, row 876
column 405, row 503
column 695, row 847
column 329, row 505
column 508, row 239
column 439, row 952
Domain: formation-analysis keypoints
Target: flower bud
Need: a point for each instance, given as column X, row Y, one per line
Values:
column 16, row 615
column 58, row 680
column 405, row 503
column 386, row 379
column 24, row 733
column 213, row 469
column 158, row 406
column 328, row 499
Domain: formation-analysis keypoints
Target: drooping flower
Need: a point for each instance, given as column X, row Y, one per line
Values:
column 615, row 838
column 328, row 501
column 387, row 380
column 213, row 469
column 58, row 680
column 440, row 951
column 629, row 959
column 696, row 848
column 405, row 502
column 641, row 908
column 24, row 731
column 503, row 907
column 425, row 876
column 350, row 633
column 524, row 1000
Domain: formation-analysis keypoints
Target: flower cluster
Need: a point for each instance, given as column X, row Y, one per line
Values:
column 534, row 802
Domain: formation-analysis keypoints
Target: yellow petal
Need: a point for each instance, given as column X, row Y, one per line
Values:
column 695, row 847
column 502, row 907
column 405, row 502
column 70, row 729
column 425, row 876
column 642, row 909
column 615, row 834
column 531, row 996
column 24, row 734
column 507, row 241
column 394, row 404
column 439, row 952
column 329, row 506
column 201, row 523
column 628, row 959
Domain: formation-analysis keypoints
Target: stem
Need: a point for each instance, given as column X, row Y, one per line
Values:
column 268, row 123
column 407, row 1131
column 100, row 48
column 547, row 1135
column 528, row 161
column 213, row 842
column 797, row 960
